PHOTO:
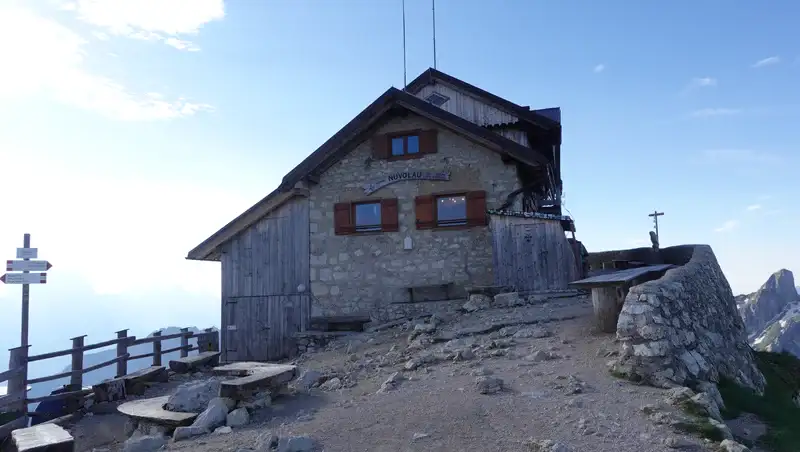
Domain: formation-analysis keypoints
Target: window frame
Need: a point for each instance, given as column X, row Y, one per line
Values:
column 461, row 223
column 405, row 135
column 372, row 228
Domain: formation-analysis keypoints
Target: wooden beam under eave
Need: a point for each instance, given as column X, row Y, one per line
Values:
column 312, row 178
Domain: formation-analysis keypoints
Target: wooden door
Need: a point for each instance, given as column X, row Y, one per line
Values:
column 261, row 328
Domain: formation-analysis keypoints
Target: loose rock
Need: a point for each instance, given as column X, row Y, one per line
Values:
column 489, row 385
column 296, row 444
column 732, row 446
column 333, row 384
column 144, row 443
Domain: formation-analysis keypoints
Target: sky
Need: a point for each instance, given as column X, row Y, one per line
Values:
column 131, row 130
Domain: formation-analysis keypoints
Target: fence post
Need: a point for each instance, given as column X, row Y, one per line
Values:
column 213, row 339
column 122, row 349
column 157, row 350
column 18, row 357
column 184, row 343
column 76, row 379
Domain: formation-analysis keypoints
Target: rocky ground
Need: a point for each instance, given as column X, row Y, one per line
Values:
column 526, row 378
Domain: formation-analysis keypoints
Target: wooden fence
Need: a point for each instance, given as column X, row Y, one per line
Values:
column 15, row 402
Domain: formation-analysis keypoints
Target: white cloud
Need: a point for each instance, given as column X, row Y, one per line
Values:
column 600, row 68
column 161, row 20
column 131, row 235
column 753, row 207
column 51, row 60
column 711, row 112
column 728, row 226
column 767, row 61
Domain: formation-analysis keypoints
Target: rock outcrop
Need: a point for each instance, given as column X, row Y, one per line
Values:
column 684, row 328
column 772, row 314
column 759, row 309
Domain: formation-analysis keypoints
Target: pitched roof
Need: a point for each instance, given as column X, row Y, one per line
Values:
column 352, row 134
column 358, row 129
column 432, row 75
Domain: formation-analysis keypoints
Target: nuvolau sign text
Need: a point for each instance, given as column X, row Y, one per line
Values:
column 376, row 185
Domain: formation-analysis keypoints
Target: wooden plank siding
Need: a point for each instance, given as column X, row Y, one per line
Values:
column 262, row 268
column 531, row 254
column 520, row 136
column 468, row 107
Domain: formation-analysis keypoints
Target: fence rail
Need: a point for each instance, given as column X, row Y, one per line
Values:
column 16, row 400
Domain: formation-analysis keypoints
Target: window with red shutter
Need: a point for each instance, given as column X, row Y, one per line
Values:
column 380, row 146
column 428, row 141
column 389, row 215
column 342, row 218
column 424, row 207
column 476, row 208
column 451, row 210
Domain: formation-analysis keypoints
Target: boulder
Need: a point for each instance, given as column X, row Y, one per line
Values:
column 213, row 416
column 182, row 433
column 193, row 397
column 238, row 418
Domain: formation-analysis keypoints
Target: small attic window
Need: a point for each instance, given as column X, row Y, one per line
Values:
column 437, row 99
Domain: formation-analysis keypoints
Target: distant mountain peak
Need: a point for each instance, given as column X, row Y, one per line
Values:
column 782, row 283
column 772, row 314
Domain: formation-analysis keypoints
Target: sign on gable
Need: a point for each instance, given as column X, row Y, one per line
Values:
column 376, row 185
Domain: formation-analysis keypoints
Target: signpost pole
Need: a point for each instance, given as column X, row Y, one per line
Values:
column 25, row 299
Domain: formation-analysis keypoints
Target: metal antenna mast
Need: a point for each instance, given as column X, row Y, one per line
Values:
column 405, row 71
column 433, row 9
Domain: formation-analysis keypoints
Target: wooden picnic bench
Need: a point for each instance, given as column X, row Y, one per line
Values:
column 609, row 291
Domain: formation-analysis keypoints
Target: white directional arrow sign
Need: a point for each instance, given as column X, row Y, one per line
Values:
column 27, row 266
column 24, row 278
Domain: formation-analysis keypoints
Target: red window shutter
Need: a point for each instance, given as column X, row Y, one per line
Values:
column 380, row 146
column 428, row 141
column 343, row 218
column 476, row 208
column 426, row 215
column 389, row 215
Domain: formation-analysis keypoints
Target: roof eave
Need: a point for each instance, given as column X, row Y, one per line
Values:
column 208, row 250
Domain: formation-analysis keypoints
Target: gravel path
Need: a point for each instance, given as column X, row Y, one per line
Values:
column 568, row 398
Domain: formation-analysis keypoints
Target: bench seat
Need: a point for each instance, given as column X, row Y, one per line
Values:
column 609, row 291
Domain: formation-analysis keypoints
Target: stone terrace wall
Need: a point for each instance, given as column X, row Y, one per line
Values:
column 684, row 328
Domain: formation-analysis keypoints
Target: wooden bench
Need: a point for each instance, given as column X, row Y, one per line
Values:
column 340, row 323
column 152, row 410
column 253, row 377
column 134, row 383
column 609, row 291
column 431, row 292
column 194, row 363
column 42, row 437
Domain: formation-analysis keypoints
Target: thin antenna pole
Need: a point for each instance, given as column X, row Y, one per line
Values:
column 433, row 9
column 405, row 71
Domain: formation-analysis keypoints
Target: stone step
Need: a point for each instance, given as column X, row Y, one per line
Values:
column 152, row 410
column 41, row 438
column 194, row 363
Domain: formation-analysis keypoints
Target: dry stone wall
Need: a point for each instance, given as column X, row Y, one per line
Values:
column 685, row 328
column 370, row 273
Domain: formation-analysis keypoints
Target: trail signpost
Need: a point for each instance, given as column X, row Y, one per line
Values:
column 25, row 265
